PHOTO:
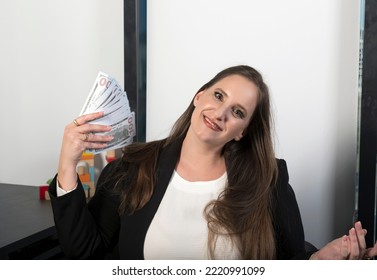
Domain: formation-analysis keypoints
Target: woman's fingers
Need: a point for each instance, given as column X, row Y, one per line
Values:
column 360, row 234
column 92, row 138
column 351, row 247
column 86, row 118
column 354, row 245
column 82, row 125
column 89, row 133
column 357, row 242
column 92, row 128
column 344, row 252
column 80, row 135
column 371, row 252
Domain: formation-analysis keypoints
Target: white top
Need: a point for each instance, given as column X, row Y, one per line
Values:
column 179, row 229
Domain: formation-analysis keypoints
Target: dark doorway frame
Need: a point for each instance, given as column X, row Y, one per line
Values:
column 135, row 61
column 366, row 182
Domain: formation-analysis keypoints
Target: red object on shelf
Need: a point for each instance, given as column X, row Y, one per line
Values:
column 42, row 191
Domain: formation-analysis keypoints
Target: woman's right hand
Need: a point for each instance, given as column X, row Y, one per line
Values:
column 79, row 136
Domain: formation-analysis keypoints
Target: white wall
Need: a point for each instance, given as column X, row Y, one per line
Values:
column 308, row 53
column 50, row 54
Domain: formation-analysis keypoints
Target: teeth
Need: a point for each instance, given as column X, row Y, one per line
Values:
column 215, row 126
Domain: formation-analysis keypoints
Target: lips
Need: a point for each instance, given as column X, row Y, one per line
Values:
column 212, row 125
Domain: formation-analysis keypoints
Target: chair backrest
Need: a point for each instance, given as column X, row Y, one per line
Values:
column 309, row 247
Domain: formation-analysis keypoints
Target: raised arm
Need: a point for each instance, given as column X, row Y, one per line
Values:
column 84, row 231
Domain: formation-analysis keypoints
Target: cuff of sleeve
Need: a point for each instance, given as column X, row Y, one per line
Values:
column 60, row 191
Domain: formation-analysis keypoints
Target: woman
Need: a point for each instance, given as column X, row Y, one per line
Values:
column 212, row 189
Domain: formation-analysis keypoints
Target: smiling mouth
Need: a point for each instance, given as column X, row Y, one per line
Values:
column 211, row 124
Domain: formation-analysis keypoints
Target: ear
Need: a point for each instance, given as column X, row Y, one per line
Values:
column 239, row 137
column 197, row 97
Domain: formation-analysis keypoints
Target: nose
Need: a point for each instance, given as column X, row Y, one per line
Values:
column 220, row 113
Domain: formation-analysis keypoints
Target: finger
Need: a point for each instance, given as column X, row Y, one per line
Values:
column 344, row 252
column 95, row 145
column 371, row 252
column 354, row 245
column 85, row 136
column 96, row 138
column 86, row 118
column 360, row 233
column 73, row 131
column 92, row 128
column 101, row 138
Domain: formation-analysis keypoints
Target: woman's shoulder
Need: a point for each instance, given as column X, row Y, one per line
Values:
column 282, row 186
column 282, row 174
column 282, row 164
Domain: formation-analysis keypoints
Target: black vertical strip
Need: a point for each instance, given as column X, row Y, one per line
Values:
column 368, row 124
column 135, row 19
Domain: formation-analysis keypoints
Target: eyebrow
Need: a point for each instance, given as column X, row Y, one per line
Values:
column 239, row 105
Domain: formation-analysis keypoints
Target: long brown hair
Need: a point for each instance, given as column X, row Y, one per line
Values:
column 243, row 210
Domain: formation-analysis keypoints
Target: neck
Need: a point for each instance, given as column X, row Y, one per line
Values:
column 200, row 161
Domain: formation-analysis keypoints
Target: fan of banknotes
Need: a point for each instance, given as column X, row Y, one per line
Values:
column 108, row 96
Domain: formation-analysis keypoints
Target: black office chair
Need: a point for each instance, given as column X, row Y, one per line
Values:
column 309, row 247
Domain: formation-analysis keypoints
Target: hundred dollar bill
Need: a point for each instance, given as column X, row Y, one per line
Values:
column 113, row 94
column 123, row 132
column 108, row 96
column 101, row 84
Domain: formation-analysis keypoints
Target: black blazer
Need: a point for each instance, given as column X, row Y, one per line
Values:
column 96, row 231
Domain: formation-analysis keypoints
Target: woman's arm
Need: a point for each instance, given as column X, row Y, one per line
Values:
column 83, row 233
column 87, row 231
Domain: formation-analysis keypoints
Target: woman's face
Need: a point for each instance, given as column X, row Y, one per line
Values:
column 223, row 111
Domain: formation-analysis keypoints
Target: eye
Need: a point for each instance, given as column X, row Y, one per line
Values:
column 238, row 113
column 218, row 95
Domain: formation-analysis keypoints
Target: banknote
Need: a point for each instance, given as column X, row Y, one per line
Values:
column 101, row 84
column 108, row 96
column 123, row 133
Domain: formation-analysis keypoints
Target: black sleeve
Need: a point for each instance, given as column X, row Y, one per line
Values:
column 87, row 231
column 290, row 239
